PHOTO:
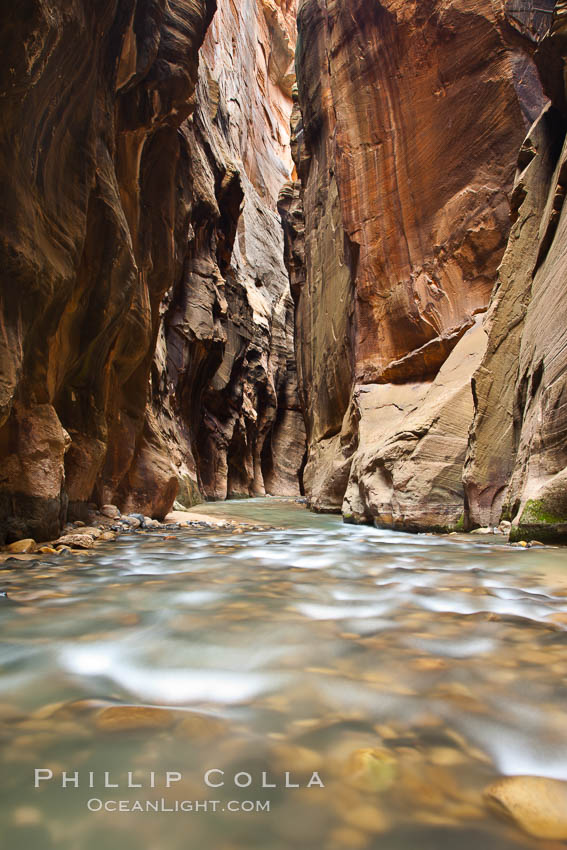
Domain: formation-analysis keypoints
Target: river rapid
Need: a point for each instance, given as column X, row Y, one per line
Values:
column 391, row 677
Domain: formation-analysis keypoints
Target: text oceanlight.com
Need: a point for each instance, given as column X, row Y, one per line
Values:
column 187, row 806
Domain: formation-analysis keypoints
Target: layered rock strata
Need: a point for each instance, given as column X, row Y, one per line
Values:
column 127, row 361
column 408, row 120
column 517, row 460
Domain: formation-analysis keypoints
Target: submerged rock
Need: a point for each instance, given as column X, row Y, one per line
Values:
column 367, row 818
column 200, row 727
column 134, row 718
column 371, row 769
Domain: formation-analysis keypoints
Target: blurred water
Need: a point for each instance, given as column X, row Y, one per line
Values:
column 408, row 671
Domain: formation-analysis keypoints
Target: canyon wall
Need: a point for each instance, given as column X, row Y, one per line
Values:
column 145, row 325
column 516, row 465
column 407, row 125
column 226, row 335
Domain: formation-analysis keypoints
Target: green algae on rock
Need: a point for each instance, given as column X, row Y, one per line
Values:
column 537, row 522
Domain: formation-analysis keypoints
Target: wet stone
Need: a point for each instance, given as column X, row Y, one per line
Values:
column 536, row 804
column 347, row 837
column 133, row 520
column 371, row 769
column 76, row 541
column 22, row 547
column 367, row 818
column 92, row 531
column 201, row 727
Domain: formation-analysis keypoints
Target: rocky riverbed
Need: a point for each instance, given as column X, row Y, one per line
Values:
column 109, row 523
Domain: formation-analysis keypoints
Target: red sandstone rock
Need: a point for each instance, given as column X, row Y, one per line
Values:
column 88, row 245
column 121, row 193
column 411, row 118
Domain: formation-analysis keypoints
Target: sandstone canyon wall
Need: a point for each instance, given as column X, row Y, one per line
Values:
column 145, row 325
column 407, row 125
column 517, row 459
column 226, row 335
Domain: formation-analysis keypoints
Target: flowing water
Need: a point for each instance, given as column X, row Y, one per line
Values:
column 403, row 673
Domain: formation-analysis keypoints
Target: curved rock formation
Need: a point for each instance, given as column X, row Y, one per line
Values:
column 517, row 461
column 409, row 119
column 89, row 97
column 121, row 203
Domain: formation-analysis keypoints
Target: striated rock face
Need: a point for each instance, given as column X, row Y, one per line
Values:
column 408, row 121
column 407, row 472
column 225, row 380
column 92, row 100
column 517, row 460
column 127, row 361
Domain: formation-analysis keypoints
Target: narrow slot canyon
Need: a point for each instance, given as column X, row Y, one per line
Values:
column 210, row 264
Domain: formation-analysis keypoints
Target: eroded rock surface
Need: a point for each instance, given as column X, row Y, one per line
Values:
column 126, row 356
column 407, row 472
column 227, row 331
column 408, row 121
column 517, row 461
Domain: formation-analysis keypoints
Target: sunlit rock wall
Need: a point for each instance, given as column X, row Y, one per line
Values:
column 408, row 122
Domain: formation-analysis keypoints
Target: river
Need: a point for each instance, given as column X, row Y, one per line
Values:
column 396, row 675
